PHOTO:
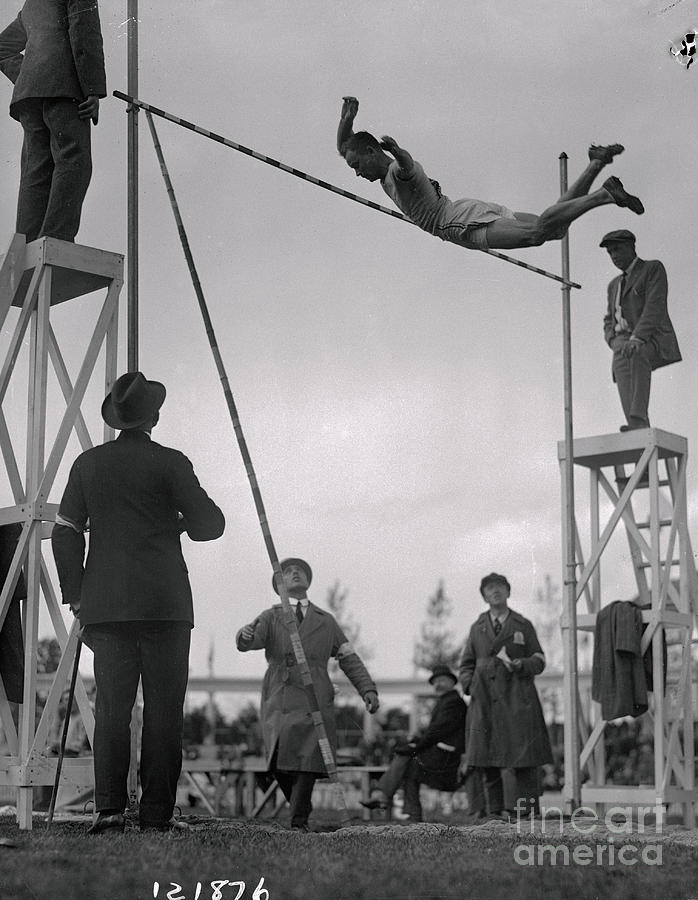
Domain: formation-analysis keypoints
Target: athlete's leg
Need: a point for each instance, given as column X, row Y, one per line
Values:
column 599, row 158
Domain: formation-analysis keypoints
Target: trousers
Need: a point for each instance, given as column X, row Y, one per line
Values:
column 157, row 653
column 297, row 788
column 56, row 167
column 633, row 378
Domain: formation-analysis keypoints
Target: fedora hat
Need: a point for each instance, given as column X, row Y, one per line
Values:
column 440, row 670
column 132, row 401
column 293, row 561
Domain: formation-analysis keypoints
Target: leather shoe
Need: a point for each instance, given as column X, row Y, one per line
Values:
column 107, row 822
column 374, row 803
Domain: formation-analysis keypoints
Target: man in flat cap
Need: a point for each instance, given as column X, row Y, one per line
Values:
column 132, row 595
column 53, row 55
column 505, row 727
column 290, row 738
column 636, row 326
column 431, row 758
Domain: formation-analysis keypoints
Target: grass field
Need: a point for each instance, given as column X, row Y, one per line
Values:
column 384, row 862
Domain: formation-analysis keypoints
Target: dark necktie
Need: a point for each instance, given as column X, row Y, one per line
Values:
column 299, row 612
column 497, row 626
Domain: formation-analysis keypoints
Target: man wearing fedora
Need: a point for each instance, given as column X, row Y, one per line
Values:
column 505, row 727
column 636, row 326
column 432, row 758
column 290, row 739
column 132, row 594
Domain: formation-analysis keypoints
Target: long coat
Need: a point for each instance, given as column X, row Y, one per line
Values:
column 644, row 306
column 505, row 725
column 54, row 49
column 286, row 719
column 438, row 767
column 131, row 490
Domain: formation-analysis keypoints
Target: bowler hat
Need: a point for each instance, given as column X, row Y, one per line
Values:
column 132, row 401
column 617, row 237
column 492, row 578
column 293, row 561
column 440, row 670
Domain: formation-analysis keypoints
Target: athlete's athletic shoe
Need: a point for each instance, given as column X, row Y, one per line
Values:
column 621, row 197
column 605, row 154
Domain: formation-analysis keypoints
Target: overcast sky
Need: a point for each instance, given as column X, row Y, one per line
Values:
column 402, row 398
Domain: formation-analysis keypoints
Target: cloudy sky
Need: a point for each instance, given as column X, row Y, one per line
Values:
column 402, row 398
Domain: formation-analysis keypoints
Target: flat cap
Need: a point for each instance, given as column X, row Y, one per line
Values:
column 614, row 237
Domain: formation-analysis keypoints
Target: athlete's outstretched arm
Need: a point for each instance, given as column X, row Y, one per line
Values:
column 402, row 157
column 345, row 130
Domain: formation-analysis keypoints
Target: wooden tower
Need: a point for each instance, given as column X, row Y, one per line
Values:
column 646, row 467
column 35, row 278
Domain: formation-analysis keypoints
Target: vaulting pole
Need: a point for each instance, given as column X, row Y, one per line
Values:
column 132, row 206
column 572, row 773
column 289, row 616
column 316, row 181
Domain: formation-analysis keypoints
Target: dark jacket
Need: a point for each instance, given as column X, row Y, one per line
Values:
column 439, row 766
column 644, row 306
column 505, row 726
column 54, row 49
column 131, row 491
column 620, row 675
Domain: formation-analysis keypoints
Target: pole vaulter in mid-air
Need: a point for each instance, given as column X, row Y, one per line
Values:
column 474, row 224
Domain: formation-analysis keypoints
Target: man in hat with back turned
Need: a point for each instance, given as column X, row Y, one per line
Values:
column 431, row 758
column 505, row 728
column 132, row 594
column 290, row 738
column 636, row 326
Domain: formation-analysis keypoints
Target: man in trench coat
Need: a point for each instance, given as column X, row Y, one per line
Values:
column 505, row 728
column 290, row 739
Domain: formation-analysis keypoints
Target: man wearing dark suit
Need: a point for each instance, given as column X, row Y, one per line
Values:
column 637, row 326
column 132, row 595
column 433, row 757
column 53, row 54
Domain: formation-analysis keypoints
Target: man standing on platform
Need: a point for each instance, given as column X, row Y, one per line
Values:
column 132, row 595
column 637, row 326
column 505, row 728
column 53, row 54
column 290, row 737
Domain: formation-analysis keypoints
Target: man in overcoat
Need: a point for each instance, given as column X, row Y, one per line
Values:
column 505, row 726
column 290, row 739
column 53, row 54
column 433, row 757
column 132, row 594
column 637, row 326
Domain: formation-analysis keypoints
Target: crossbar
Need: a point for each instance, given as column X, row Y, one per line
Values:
column 317, row 181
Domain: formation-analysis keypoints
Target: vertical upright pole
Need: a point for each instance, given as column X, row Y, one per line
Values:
column 572, row 773
column 132, row 209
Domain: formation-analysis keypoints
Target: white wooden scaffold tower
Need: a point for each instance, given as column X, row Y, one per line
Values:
column 667, row 589
column 35, row 278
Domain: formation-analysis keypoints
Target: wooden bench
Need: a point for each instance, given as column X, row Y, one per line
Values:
column 242, row 775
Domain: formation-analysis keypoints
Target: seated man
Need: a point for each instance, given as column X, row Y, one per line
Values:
column 431, row 759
